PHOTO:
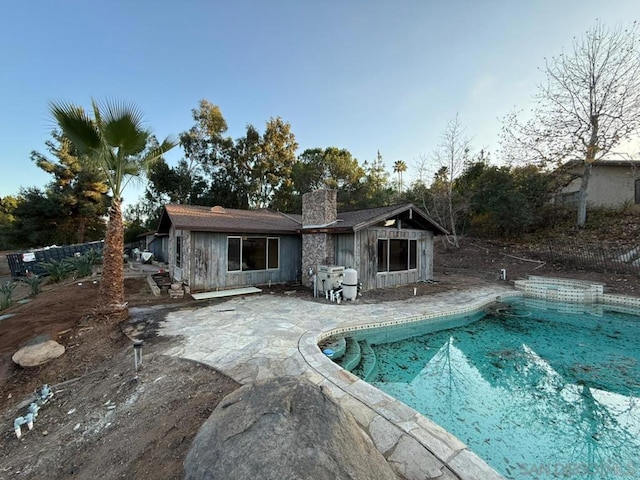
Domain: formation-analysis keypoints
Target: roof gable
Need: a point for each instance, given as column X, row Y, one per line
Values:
column 408, row 214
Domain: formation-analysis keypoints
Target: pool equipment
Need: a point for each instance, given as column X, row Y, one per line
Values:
column 350, row 284
column 330, row 277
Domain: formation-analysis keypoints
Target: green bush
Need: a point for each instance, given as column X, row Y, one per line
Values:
column 6, row 294
column 34, row 282
column 58, row 270
column 82, row 265
column 95, row 256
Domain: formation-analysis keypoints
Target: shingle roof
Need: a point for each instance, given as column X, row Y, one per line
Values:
column 191, row 217
column 231, row 220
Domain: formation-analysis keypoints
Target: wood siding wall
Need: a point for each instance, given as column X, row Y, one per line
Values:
column 208, row 266
column 365, row 256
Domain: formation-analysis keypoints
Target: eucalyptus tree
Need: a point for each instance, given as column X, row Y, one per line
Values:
column 587, row 109
column 114, row 141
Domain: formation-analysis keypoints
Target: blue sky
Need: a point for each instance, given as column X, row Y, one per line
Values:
column 362, row 75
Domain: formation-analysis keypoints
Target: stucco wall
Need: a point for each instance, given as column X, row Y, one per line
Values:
column 609, row 185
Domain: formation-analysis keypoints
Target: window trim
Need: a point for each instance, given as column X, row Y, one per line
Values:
column 387, row 252
column 268, row 241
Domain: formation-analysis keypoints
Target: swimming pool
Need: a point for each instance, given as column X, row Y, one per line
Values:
column 537, row 389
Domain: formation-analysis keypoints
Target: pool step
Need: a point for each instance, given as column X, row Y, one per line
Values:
column 339, row 346
column 352, row 355
column 368, row 366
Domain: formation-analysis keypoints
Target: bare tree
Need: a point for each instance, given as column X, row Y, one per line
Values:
column 450, row 157
column 588, row 107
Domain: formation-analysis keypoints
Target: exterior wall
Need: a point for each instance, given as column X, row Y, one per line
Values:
column 609, row 185
column 181, row 273
column 208, row 263
column 366, row 243
column 345, row 250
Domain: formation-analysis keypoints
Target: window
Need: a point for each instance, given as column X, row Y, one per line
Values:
column 273, row 247
column 396, row 255
column 178, row 250
column 246, row 254
column 233, row 254
column 383, row 255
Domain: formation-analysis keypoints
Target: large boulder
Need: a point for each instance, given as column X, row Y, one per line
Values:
column 284, row 428
column 36, row 354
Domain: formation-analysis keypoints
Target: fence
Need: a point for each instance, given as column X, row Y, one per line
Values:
column 21, row 263
column 596, row 257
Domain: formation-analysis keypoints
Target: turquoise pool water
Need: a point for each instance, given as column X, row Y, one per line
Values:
column 538, row 390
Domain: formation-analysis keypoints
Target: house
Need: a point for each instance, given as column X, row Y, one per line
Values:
column 154, row 243
column 210, row 248
column 612, row 183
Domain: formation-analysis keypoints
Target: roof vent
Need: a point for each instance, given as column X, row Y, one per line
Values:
column 218, row 209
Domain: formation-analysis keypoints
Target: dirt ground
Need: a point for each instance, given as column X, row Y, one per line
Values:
column 108, row 421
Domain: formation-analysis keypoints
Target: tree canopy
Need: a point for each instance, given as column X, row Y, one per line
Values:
column 587, row 108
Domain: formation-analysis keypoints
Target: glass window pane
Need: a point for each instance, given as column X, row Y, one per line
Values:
column 233, row 254
column 383, row 255
column 254, row 253
column 274, row 252
column 398, row 255
column 178, row 251
column 413, row 254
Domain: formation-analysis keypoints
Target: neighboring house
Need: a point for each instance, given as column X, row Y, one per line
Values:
column 612, row 183
column 154, row 243
column 211, row 248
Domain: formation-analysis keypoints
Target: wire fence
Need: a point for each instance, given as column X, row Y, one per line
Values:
column 596, row 257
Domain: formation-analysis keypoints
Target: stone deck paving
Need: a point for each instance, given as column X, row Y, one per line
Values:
column 265, row 336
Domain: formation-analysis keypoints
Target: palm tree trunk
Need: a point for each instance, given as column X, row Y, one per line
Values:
column 111, row 301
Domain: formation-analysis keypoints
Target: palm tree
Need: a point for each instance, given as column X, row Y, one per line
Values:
column 399, row 167
column 116, row 142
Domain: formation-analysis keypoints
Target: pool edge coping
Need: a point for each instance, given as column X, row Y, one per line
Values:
column 451, row 452
column 445, row 447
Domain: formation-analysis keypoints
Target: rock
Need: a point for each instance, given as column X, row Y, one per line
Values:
column 284, row 428
column 37, row 354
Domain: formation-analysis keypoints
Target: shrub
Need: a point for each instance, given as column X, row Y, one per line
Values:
column 83, row 265
column 6, row 294
column 95, row 256
column 58, row 270
column 34, row 282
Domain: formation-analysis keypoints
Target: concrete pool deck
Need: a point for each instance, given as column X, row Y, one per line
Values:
column 264, row 336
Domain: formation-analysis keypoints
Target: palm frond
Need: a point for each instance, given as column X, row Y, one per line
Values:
column 123, row 127
column 76, row 125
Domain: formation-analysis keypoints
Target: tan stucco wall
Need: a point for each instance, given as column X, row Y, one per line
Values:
column 609, row 186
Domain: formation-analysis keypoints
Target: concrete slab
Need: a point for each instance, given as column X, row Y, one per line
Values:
column 225, row 293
